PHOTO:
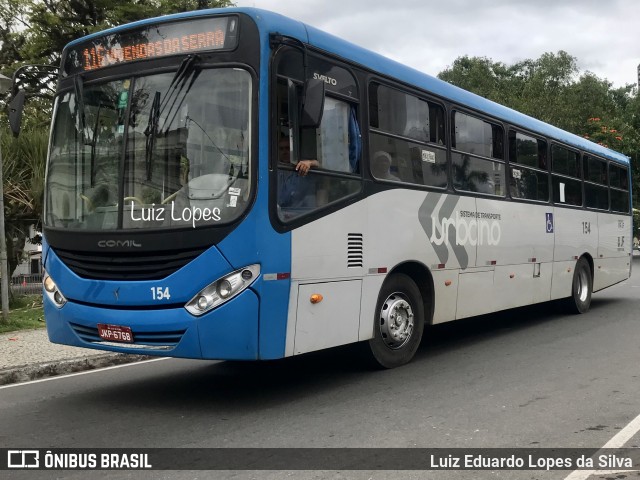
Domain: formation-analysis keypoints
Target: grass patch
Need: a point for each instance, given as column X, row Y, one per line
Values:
column 25, row 314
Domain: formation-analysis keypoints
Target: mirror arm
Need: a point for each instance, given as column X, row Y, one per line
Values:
column 17, row 98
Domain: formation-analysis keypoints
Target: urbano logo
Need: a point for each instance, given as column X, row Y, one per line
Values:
column 119, row 243
column 23, row 459
column 469, row 230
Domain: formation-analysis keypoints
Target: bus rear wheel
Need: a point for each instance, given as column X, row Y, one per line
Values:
column 581, row 288
column 398, row 322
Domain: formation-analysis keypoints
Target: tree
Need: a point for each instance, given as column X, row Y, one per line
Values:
column 480, row 75
column 535, row 87
column 543, row 86
column 24, row 171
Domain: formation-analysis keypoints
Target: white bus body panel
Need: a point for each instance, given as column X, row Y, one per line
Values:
column 562, row 279
column 445, row 283
column 524, row 236
column 320, row 265
column 614, row 250
column 331, row 322
column 576, row 234
column 475, row 292
column 484, row 255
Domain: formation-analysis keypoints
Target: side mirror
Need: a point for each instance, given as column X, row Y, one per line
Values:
column 313, row 106
column 16, row 107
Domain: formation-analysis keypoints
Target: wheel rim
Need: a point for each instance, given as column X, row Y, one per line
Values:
column 583, row 285
column 396, row 321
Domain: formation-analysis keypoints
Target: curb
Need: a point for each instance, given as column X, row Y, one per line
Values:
column 25, row 373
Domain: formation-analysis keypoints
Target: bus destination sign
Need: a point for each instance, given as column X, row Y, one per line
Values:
column 152, row 41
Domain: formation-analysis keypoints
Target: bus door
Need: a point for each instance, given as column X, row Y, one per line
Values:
column 317, row 180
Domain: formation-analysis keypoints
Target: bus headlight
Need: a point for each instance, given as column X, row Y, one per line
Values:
column 52, row 291
column 222, row 290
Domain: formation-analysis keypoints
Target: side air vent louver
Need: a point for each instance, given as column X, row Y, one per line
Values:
column 355, row 250
column 126, row 266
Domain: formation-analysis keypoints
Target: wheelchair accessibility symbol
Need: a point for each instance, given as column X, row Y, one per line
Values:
column 549, row 222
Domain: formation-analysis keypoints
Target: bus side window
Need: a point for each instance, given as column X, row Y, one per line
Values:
column 528, row 176
column 619, row 188
column 335, row 146
column 478, row 156
column 566, row 176
column 411, row 130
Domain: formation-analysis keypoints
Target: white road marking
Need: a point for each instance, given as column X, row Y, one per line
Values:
column 95, row 370
column 618, row 441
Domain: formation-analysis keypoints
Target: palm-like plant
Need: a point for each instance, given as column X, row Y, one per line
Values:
column 24, row 161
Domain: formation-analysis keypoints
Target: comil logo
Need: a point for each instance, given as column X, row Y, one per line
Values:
column 23, row 459
column 470, row 228
column 119, row 244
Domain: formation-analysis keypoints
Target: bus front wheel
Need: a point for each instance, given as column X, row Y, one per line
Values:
column 398, row 322
column 581, row 287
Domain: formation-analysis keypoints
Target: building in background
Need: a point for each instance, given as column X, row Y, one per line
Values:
column 32, row 258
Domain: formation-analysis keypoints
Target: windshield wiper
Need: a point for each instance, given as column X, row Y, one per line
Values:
column 151, row 132
column 79, row 93
column 159, row 105
column 187, row 67
column 94, row 141
column 78, row 88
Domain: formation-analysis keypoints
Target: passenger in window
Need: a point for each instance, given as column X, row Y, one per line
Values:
column 381, row 166
column 303, row 166
column 295, row 189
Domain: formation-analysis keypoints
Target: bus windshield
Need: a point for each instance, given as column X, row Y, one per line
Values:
column 170, row 150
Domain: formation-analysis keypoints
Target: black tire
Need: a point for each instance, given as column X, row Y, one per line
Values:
column 581, row 288
column 395, row 343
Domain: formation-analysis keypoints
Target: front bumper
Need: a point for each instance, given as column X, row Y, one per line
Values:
column 229, row 332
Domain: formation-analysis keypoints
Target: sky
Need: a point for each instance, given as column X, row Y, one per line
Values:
column 428, row 35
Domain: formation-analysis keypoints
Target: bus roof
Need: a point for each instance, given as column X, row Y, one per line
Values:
column 270, row 22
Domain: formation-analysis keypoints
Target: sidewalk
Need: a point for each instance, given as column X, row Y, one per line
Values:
column 28, row 355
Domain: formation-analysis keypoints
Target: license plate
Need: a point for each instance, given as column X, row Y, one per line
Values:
column 115, row 333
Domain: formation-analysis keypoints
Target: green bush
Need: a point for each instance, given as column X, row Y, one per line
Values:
column 25, row 313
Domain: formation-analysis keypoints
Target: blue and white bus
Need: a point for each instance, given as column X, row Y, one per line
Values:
column 234, row 184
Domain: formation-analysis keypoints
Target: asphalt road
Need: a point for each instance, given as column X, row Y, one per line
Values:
column 532, row 377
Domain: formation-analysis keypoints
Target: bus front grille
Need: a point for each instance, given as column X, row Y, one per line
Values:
column 126, row 266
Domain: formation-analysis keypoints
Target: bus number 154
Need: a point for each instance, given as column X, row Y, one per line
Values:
column 160, row 293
